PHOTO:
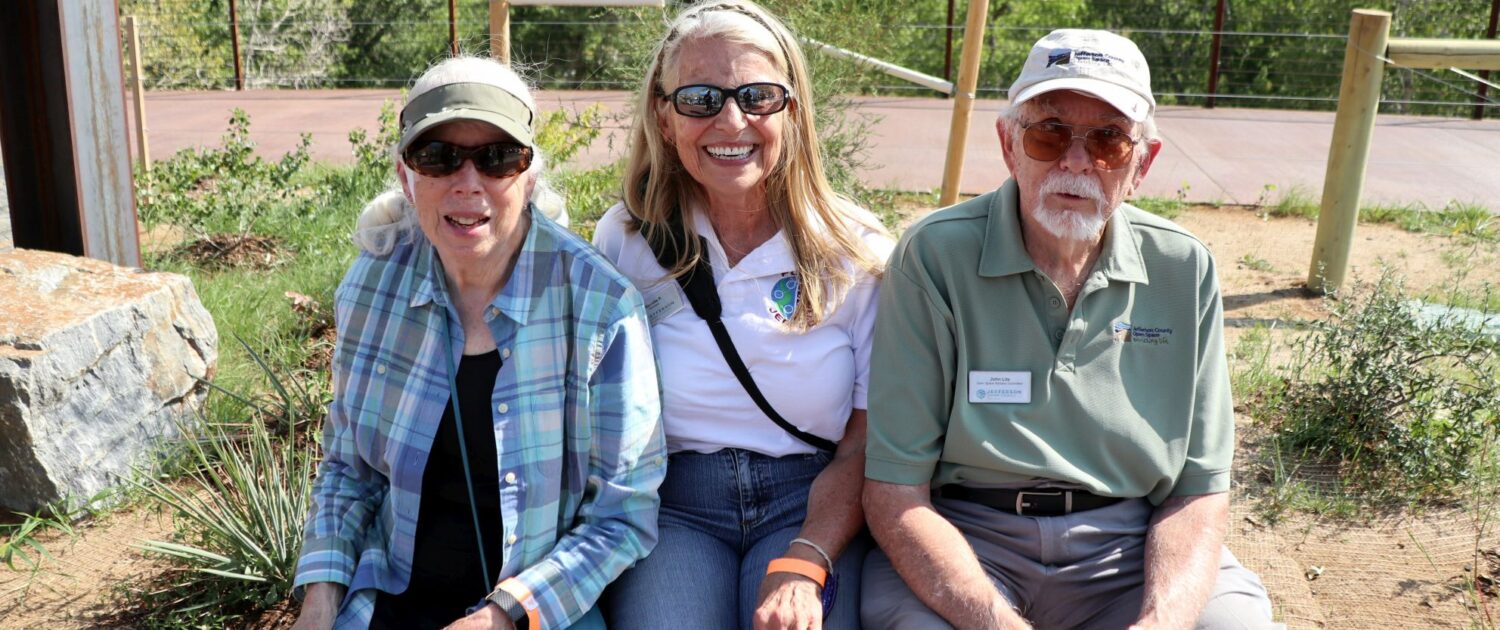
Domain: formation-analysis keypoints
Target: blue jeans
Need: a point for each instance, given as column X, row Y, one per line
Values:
column 724, row 517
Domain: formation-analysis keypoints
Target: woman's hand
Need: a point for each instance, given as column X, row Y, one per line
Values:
column 488, row 618
column 320, row 606
column 789, row 602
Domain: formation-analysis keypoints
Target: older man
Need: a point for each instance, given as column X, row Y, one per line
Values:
column 1050, row 426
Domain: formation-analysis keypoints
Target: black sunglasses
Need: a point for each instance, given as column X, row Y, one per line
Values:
column 436, row 158
column 702, row 101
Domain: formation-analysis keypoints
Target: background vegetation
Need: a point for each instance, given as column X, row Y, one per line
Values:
column 1276, row 53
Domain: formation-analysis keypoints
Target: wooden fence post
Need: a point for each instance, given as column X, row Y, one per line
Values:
column 1353, row 128
column 963, row 104
column 137, row 83
column 500, row 31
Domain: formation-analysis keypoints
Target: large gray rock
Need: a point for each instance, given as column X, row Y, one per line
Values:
column 5, row 233
column 98, row 366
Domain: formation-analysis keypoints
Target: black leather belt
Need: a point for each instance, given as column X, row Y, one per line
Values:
column 1030, row 502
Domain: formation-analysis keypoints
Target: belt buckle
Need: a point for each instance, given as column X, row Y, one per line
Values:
column 1021, row 503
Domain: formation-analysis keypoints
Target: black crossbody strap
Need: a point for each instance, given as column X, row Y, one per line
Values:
column 698, row 284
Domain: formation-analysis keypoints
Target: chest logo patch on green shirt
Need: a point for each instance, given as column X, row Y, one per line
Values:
column 1124, row 332
column 784, row 298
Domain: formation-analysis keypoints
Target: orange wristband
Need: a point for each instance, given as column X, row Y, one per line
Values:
column 800, row 567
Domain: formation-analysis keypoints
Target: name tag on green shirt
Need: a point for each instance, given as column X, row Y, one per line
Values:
column 999, row 387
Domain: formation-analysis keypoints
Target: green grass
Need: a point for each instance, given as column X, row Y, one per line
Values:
column 896, row 208
column 1295, row 201
column 21, row 547
column 1164, row 207
column 1256, row 263
column 1456, row 218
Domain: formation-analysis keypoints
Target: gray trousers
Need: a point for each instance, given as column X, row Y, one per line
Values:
column 1083, row 570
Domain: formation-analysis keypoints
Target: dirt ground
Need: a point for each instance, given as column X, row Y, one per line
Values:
column 1395, row 571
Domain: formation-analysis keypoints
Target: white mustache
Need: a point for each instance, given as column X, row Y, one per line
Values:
column 1072, row 184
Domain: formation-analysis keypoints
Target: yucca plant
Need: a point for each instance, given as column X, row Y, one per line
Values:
column 239, row 505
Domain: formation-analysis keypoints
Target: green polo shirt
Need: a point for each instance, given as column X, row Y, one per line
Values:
column 981, row 376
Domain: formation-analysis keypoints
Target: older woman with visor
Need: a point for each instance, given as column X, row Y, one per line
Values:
column 494, row 444
column 760, row 520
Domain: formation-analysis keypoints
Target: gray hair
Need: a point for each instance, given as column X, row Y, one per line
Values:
column 390, row 218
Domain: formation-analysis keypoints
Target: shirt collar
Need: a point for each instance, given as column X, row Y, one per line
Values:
column 772, row 257
column 1005, row 250
column 521, row 293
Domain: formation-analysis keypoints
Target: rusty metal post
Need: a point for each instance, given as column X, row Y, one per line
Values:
column 453, row 28
column 1489, row 33
column 63, row 131
column 1213, row 55
column 948, row 45
column 138, row 94
column 234, row 41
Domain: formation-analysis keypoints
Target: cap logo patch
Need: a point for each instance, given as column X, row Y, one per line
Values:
column 1096, row 57
column 1060, row 58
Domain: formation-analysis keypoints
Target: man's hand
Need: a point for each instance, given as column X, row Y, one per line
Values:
column 789, row 602
column 488, row 618
column 934, row 559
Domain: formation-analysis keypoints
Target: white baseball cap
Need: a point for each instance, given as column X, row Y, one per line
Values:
column 1098, row 63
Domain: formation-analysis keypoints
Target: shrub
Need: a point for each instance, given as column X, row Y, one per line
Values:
column 239, row 509
column 223, row 189
column 1401, row 400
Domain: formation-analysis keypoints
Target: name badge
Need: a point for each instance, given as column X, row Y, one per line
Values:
column 999, row 387
column 665, row 303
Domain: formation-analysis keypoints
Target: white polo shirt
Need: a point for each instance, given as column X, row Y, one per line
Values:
column 814, row 379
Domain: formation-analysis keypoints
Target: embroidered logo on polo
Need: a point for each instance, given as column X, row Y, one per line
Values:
column 1125, row 332
column 784, row 298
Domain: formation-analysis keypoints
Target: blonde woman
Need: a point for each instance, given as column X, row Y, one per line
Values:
column 760, row 522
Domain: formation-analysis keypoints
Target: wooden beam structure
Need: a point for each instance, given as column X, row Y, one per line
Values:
column 63, row 130
column 1441, row 54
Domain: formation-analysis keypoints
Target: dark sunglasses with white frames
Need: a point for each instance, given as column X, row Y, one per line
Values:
column 703, row 100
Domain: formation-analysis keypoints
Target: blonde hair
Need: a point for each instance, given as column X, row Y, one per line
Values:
column 390, row 218
column 818, row 224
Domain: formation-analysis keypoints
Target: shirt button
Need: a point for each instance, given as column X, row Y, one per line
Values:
column 380, row 368
column 505, row 353
column 510, row 477
column 1054, row 302
column 503, row 408
column 494, row 312
column 512, row 540
column 1058, row 334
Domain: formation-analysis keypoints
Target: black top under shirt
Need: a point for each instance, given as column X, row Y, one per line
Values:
column 446, row 578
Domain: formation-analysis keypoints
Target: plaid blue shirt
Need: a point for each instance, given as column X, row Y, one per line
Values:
column 576, row 411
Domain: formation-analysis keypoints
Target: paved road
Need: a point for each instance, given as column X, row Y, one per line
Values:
column 1228, row 155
